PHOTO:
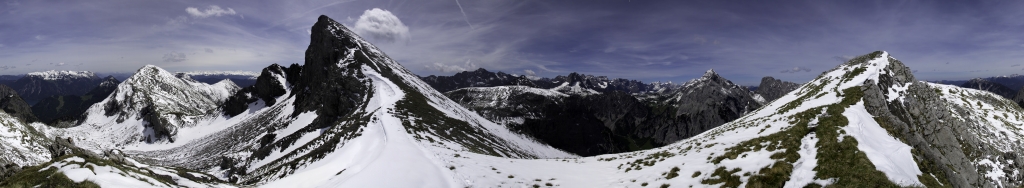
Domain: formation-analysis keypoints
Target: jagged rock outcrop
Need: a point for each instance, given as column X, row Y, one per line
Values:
column 943, row 141
column 771, row 88
column 990, row 86
column 272, row 83
column 68, row 110
column 14, row 105
column 325, row 86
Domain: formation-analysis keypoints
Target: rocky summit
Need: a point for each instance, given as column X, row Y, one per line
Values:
column 771, row 88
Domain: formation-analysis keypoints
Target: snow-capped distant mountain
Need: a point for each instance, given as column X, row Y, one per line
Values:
column 572, row 83
column 62, row 75
column 240, row 78
column 249, row 74
column 39, row 85
column 990, row 86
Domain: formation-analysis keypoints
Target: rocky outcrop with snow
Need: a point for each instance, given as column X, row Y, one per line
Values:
column 14, row 105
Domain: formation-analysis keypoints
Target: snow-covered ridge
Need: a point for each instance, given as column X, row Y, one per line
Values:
column 250, row 74
column 62, row 74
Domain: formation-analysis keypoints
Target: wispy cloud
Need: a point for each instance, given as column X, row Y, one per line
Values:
column 464, row 17
column 796, row 70
column 174, row 57
column 213, row 10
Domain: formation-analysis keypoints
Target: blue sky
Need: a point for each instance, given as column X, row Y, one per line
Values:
column 634, row 39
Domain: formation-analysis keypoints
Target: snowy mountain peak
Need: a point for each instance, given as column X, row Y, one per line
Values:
column 63, row 74
column 710, row 73
column 153, row 104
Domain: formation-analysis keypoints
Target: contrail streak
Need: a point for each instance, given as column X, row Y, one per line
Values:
column 464, row 14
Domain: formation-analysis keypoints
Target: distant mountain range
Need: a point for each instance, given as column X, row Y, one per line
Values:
column 351, row 116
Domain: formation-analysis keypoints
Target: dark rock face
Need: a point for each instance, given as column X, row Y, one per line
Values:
column 771, row 88
column 328, row 83
column 1019, row 97
column 63, row 111
column 698, row 106
column 12, row 104
column 35, row 88
column 986, row 85
column 267, row 88
column 613, row 121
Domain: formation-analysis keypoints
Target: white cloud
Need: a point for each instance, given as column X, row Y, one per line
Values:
column 40, row 37
column 452, row 68
column 795, row 70
column 213, row 10
column 174, row 57
column 530, row 74
column 381, row 24
column 60, row 64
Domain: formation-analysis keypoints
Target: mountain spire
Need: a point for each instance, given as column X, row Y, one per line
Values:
column 710, row 73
